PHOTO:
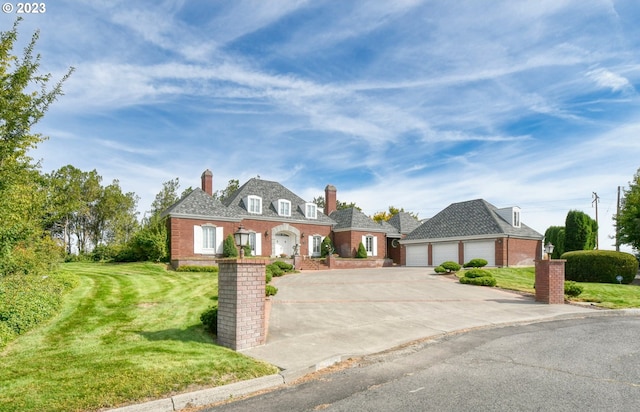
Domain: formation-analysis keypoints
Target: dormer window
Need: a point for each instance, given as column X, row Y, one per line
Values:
column 311, row 211
column 284, row 207
column 254, row 204
column 516, row 217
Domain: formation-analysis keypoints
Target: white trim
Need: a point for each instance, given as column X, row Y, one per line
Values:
column 219, row 240
column 251, row 208
column 310, row 214
column 280, row 206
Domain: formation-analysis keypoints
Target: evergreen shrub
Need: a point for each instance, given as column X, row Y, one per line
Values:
column 362, row 252
column 210, row 320
column 479, row 281
column 476, row 263
column 439, row 269
column 600, row 266
column 572, row 289
column 451, row 266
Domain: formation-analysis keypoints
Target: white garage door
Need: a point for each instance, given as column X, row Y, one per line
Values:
column 481, row 249
column 443, row 252
column 417, row 255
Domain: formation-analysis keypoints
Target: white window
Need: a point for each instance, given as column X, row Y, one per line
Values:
column 311, row 211
column 255, row 242
column 316, row 244
column 254, row 204
column 208, row 238
column 370, row 243
column 284, row 207
column 516, row 218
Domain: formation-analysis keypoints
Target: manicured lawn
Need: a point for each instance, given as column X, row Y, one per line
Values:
column 128, row 333
column 605, row 295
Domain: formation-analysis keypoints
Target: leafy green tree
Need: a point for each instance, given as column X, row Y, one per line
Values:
column 24, row 99
column 319, row 201
column 386, row 215
column 580, row 231
column 167, row 196
column 628, row 220
column 232, row 186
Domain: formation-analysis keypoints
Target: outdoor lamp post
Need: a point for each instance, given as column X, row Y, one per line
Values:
column 241, row 238
column 548, row 249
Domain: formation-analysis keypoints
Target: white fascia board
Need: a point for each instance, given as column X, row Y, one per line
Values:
column 285, row 220
column 204, row 217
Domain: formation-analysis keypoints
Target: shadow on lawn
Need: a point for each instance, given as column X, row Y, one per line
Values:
column 195, row 333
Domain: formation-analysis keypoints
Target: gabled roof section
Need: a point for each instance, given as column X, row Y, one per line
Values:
column 354, row 219
column 404, row 222
column 198, row 203
column 270, row 192
column 471, row 218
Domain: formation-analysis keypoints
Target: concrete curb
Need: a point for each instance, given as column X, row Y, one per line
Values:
column 221, row 393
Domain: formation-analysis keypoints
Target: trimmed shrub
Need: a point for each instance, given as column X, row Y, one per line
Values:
column 195, row 268
column 270, row 290
column 600, row 266
column 476, row 263
column 326, row 248
column 451, row 266
column 274, row 270
column 229, row 248
column 287, row 267
column 439, row 269
column 476, row 273
column 210, row 320
column 479, row 281
column 268, row 276
column 362, row 252
column 572, row 289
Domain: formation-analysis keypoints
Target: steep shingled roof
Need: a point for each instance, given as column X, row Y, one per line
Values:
column 271, row 192
column 471, row 218
column 404, row 222
column 200, row 203
column 354, row 219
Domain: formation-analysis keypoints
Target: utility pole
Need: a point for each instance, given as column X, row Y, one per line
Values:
column 617, row 228
column 596, row 200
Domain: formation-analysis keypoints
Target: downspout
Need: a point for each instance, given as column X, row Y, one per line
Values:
column 507, row 250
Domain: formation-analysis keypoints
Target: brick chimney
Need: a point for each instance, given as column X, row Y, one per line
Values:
column 330, row 200
column 207, row 182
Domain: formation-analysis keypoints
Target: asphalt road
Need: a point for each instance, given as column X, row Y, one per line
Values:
column 591, row 364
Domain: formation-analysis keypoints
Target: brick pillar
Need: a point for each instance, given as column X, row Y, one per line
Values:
column 241, row 303
column 550, row 281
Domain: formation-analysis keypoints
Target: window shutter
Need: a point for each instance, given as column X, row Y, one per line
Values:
column 364, row 242
column 219, row 240
column 197, row 239
column 375, row 246
column 258, row 244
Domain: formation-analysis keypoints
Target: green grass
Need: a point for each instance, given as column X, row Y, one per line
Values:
column 604, row 295
column 128, row 333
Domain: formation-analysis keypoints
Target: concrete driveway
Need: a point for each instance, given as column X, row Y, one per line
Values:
column 321, row 317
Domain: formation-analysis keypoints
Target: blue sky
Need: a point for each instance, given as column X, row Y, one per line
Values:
column 416, row 104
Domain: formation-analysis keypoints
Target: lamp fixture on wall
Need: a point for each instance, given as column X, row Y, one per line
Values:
column 266, row 233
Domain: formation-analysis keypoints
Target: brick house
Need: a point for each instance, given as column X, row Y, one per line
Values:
column 280, row 223
column 473, row 229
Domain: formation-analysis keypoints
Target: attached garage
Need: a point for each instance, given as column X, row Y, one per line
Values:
column 483, row 249
column 417, row 255
column 443, row 252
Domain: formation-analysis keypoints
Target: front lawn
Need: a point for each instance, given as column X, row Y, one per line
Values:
column 604, row 295
column 128, row 333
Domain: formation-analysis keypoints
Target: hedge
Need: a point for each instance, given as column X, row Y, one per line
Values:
column 600, row 266
column 476, row 263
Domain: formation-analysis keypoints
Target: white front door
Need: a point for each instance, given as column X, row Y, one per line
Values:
column 283, row 244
